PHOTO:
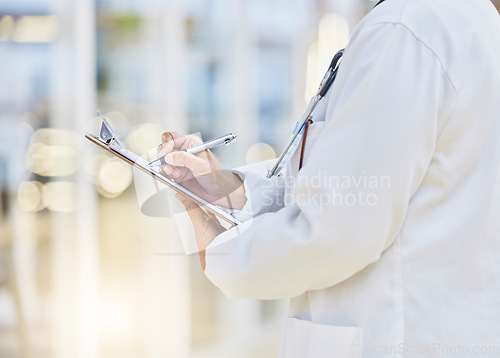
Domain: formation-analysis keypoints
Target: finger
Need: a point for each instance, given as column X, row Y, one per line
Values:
column 167, row 169
column 182, row 159
column 173, row 140
column 175, row 172
column 170, row 141
column 191, row 141
column 166, row 148
column 170, row 136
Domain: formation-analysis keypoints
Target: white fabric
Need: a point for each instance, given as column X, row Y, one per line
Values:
column 256, row 184
column 417, row 274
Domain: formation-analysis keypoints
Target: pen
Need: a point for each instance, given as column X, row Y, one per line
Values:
column 225, row 139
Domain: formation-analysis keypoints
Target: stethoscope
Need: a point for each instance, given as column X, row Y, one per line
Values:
column 298, row 132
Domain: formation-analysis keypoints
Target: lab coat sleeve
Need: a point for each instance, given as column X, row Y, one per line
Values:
column 384, row 113
column 263, row 194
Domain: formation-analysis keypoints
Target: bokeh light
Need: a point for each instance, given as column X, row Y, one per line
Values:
column 29, row 196
column 114, row 177
column 60, row 196
column 333, row 35
column 52, row 152
column 6, row 27
column 36, row 29
column 144, row 137
column 260, row 152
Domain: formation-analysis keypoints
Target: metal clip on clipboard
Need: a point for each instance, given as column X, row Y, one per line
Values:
column 107, row 134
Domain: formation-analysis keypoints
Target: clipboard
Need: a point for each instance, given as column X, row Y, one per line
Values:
column 110, row 142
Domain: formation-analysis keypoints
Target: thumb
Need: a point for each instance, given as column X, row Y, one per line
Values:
column 188, row 160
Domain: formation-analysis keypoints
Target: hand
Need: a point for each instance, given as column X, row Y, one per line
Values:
column 201, row 173
column 205, row 224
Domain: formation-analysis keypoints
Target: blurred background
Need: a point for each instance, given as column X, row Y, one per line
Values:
column 82, row 272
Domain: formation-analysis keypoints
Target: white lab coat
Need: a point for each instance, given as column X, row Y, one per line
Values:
column 416, row 100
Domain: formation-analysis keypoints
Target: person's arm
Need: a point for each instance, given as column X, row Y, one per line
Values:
column 384, row 115
column 245, row 191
